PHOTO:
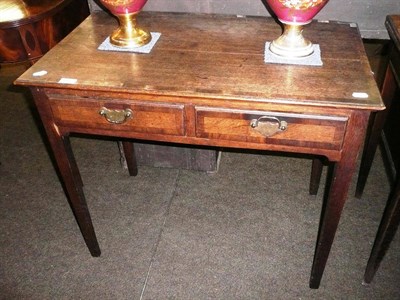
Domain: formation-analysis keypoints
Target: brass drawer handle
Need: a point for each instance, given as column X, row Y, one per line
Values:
column 268, row 126
column 116, row 116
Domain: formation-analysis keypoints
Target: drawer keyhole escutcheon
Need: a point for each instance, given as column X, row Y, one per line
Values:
column 116, row 116
column 268, row 126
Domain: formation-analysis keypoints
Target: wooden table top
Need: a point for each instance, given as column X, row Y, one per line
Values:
column 393, row 27
column 18, row 12
column 213, row 57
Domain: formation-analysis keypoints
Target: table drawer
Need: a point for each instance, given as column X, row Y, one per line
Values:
column 155, row 118
column 290, row 129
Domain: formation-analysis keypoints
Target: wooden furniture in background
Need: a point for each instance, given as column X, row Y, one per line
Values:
column 385, row 124
column 390, row 91
column 208, row 85
column 28, row 29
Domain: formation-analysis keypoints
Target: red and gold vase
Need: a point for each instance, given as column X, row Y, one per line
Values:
column 294, row 14
column 128, row 34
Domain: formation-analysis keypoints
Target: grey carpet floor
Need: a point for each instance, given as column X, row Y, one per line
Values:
column 247, row 231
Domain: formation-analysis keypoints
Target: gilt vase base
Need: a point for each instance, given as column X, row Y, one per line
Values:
column 313, row 59
column 106, row 45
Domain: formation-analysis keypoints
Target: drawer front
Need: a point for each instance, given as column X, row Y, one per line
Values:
column 300, row 130
column 157, row 118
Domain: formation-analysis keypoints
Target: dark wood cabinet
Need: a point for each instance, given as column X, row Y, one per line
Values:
column 390, row 122
column 28, row 29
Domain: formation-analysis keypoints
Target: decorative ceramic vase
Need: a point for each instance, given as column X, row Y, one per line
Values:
column 294, row 14
column 128, row 34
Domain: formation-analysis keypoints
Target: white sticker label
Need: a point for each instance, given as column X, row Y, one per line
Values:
column 39, row 73
column 68, row 80
column 360, row 95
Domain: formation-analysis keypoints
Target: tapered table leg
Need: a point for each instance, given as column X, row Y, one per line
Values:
column 129, row 153
column 69, row 172
column 73, row 184
column 337, row 195
column 316, row 172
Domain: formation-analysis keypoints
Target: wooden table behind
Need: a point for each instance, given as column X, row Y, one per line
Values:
column 391, row 95
column 28, row 29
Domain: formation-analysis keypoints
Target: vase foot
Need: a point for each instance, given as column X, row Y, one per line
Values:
column 128, row 35
column 291, row 43
column 291, row 52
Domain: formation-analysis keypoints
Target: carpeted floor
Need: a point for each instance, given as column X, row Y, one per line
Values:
column 247, row 231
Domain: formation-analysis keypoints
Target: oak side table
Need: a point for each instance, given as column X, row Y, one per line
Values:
column 207, row 84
